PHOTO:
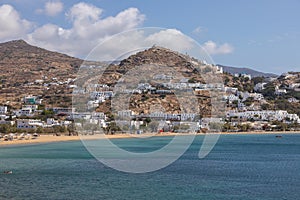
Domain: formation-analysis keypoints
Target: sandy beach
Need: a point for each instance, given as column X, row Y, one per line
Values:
column 51, row 138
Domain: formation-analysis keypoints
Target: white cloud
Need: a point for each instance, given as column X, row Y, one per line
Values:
column 84, row 11
column 88, row 29
column 136, row 40
column 51, row 8
column 171, row 38
column 12, row 26
column 213, row 48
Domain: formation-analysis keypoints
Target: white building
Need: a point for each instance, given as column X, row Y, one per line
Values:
column 219, row 70
column 93, row 104
column 7, row 122
column 32, row 107
column 232, row 90
column 81, row 115
column 257, row 96
column 32, row 100
column 125, row 113
column 52, row 122
column 294, row 86
column 280, row 91
column 24, row 112
column 29, row 123
column 3, row 109
column 60, row 110
column 231, row 98
column 105, row 94
column 259, row 87
column 98, row 116
column 293, row 100
column 246, row 76
column 265, row 115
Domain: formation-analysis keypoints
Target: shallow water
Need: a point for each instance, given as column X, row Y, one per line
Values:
column 239, row 167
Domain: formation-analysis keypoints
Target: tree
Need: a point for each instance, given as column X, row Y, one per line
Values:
column 112, row 128
column 258, row 79
column 39, row 130
column 147, row 120
column 71, row 128
column 269, row 91
column 215, row 126
column 265, row 106
column 4, row 128
column 48, row 113
column 227, row 127
column 249, row 101
column 226, row 80
column 235, row 79
column 244, row 127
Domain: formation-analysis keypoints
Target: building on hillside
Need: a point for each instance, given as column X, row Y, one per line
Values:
column 259, row 87
column 52, row 122
column 125, row 114
column 232, row 90
column 24, row 112
column 293, row 100
column 294, row 86
column 3, row 109
column 29, row 123
column 32, row 107
column 231, row 98
column 7, row 122
column 219, row 70
column 279, row 92
column 60, row 110
column 32, row 100
column 247, row 76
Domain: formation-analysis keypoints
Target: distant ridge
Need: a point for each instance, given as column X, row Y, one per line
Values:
column 253, row 73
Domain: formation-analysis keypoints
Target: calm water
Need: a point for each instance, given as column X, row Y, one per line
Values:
column 239, row 167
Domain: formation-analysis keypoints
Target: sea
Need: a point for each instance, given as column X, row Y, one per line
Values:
column 240, row 167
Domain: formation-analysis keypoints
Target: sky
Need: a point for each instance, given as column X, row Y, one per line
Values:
column 260, row 34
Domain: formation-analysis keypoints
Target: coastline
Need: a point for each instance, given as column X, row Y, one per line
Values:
column 42, row 139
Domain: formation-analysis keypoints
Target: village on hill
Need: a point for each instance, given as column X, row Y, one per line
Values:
column 43, row 105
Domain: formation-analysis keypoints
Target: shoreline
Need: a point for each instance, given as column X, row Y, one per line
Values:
column 43, row 139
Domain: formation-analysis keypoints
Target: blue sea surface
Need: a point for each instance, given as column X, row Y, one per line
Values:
column 239, row 167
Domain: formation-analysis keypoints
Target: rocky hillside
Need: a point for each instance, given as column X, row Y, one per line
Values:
column 184, row 65
column 29, row 70
column 22, row 64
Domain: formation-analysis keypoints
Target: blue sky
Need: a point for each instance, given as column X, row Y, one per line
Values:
column 261, row 34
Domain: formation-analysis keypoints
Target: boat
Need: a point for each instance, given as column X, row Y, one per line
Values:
column 7, row 172
column 278, row 136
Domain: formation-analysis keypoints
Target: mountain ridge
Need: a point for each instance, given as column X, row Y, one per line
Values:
column 241, row 70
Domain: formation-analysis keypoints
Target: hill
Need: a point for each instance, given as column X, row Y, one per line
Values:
column 29, row 70
column 170, row 63
column 22, row 64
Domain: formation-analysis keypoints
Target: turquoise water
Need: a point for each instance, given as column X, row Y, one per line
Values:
column 239, row 167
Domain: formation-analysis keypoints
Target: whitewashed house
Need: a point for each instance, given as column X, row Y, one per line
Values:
column 259, row 87
column 25, row 112
column 125, row 113
column 293, row 100
column 3, row 109
column 280, row 91
column 29, row 123
column 52, row 122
